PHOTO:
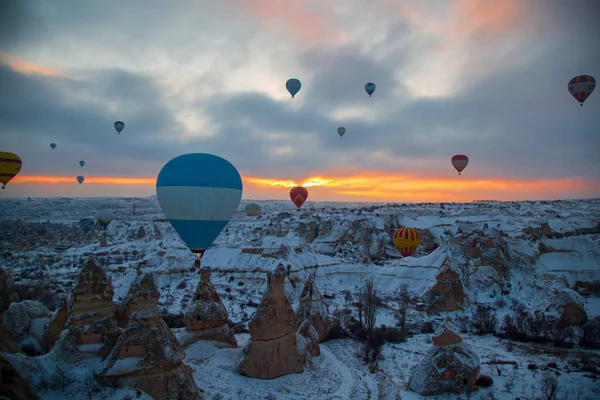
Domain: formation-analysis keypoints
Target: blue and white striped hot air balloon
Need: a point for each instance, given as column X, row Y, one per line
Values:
column 199, row 193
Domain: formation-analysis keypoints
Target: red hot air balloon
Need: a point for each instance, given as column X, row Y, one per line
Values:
column 460, row 162
column 298, row 196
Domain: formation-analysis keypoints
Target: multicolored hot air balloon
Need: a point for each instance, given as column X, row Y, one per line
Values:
column 460, row 162
column 10, row 165
column 293, row 86
column 581, row 87
column 87, row 224
column 80, row 179
column 104, row 217
column 341, row 131
column 252, row 209
column 82, row 163
column 52, row 146
column 407, row 240
column 199, row 193
column 370, row 88
column 298, row 195
column 119, row 126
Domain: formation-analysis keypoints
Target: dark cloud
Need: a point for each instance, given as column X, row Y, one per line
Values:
column 517, row 123
column 18, row 24
column 77, row 115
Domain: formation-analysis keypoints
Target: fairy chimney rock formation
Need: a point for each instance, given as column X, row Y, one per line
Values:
column 147, row 355
column 7, row 290
column 92, row 320
column 206, row 318
column 272, row 350
column 314, row 307
column 451, row 366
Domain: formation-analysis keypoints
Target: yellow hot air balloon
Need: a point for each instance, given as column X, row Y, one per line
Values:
column 407, row 240
column 10, row 165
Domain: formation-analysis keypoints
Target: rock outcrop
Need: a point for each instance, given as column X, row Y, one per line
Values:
column 448, row 293
column 27, row 322
column 92, row 320
column 308, row 342
column 147, row 355
column 57, row 324
column 12, row 384
column 7, row 290
column 451, row 366
column 567, row 305
column 313, row 307
column 272, row 350
column 206, row 318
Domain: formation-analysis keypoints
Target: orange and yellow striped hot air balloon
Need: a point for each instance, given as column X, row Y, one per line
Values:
column 407, row 240
column 10, row 165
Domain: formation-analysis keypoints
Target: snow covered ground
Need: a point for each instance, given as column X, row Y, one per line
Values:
column 341, row 244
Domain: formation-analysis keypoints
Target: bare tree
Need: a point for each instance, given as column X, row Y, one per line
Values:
column 61, row 379
column 370, row 303
column 403, row 304
column 90, row 385
column 484, row 319
column 549, row 386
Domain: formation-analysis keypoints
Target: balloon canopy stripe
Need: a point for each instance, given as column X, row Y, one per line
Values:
column 196, row 242
column 11, row 160
column 215, row 172
column 221, row 201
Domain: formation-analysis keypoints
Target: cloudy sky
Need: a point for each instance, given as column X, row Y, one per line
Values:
column 484, row 78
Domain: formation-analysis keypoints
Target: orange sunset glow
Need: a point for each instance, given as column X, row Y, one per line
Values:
column 371, row 186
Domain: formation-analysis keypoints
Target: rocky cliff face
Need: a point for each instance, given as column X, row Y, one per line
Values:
column 147, row 354
column 207, row 318
column 273, row 350
column 92, row 321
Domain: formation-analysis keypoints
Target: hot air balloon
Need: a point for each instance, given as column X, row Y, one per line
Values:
column 53, row 145
column 298, row 196
column 370, row 88
column 581, row 87
column 198, row 193
column 252, row 209
column 10, row 165
column 407, row 240
column 87, row 224
column 460, row 162
column 293, row 86
column 82, row 163
column 80, row 179
column 104, row 217
column 341, row 131
column 119, row 126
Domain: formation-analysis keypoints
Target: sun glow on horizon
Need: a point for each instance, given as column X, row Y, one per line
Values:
column 365, row 186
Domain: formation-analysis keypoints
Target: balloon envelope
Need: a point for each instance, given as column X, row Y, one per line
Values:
column 52, row 145
column 104, row 217
column 252, row 209
column 87, row 224
column 80, row 179
column 341, row 131
column 581, row 87
column 199, row 193
column 370, row 88
column 298, row 195
column 82, row 163
column 10, row 165
column 460, row 162
column 407, row 240
column 293, row 86
column 119, row 126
